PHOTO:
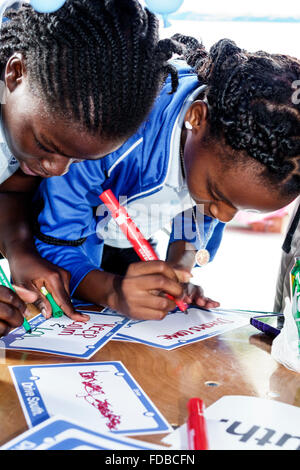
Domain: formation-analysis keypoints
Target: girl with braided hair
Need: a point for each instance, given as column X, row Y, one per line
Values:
column 76, row 84
column 227, row 140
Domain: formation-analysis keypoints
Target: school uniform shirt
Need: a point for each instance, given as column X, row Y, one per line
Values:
column 8, row 163
column 145, row 174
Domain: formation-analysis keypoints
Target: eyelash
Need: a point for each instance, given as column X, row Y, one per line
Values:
column 41, row 146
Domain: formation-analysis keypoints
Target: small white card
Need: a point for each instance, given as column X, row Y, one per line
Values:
column 58, row 433
column 246, row 423
column 101, row 396
column 66, row 337
column 178, row 329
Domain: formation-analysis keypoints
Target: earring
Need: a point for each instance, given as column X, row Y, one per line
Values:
column 188, row 125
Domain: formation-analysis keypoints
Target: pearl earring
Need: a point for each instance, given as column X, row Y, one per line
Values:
column 188, row 125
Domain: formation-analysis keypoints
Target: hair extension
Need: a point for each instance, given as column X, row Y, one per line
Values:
column 251, row 106
column 98, row 62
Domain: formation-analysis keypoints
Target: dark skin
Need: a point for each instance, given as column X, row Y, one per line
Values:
column 46, row 146
column 136, row 294
column 220, row 191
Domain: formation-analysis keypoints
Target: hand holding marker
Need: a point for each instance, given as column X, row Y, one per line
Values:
column 56, row 310
column 141, row 246
column 5, row 282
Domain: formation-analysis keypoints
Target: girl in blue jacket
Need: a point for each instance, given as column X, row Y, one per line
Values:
column 227, row 140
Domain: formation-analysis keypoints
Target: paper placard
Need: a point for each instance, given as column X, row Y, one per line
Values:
column 101, row 396
column 66, row 337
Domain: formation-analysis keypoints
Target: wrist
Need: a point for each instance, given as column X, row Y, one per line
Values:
column 100, row 288
column 17, row 249
column 181, row 254
column 113, row 292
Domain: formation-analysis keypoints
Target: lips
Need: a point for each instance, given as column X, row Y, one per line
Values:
column 28, row 171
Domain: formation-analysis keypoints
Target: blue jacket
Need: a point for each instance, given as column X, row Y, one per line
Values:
column 140, row 170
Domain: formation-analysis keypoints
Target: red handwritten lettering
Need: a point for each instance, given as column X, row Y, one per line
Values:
column 91, row 332
column 196, row 328
column 92, row 388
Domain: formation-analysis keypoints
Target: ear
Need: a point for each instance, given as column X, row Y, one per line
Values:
column 14, row 71
column 197, row 114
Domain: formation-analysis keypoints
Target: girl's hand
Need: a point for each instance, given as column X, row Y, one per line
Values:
column 193, row 294
column 140, row 293
column 32, row 272
column 13, row 307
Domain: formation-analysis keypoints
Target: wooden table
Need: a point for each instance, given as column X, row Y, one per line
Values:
column 235, row 363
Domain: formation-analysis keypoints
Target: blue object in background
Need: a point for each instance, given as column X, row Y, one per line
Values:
column 164, row 8
column 46, row 6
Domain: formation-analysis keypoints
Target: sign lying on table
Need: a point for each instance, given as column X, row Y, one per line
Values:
column 177, row 329
column 64, row 336
column 246, row 423
column 58, row 433
column 101, row 396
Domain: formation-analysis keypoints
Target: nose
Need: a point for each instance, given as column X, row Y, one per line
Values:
column 222, row 211
column 57, row 166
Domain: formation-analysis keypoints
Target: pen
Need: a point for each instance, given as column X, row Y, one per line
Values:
column 196, row 425
column 141, row 246
column 5, row 282
column 56, row 310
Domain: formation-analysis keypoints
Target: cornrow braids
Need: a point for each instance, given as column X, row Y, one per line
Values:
column 98, row 62
column 250, row 103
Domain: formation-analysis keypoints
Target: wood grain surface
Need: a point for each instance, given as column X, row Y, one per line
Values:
column 235, row 363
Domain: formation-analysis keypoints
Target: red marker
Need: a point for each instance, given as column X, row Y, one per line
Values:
column 196, row 425
column 141, row 246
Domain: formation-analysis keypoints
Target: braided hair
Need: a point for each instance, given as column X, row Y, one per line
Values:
column 98, row 62
column 251, row 107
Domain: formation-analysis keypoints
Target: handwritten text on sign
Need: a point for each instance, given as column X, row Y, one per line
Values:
column 66, row 336
column 177, row 330
column 193, row 329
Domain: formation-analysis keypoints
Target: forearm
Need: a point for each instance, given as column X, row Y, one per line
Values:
column 15, row 202
column 181, row 254
column 99, row 288
column 15, row 229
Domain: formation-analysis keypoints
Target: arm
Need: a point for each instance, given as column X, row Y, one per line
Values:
column 68, row 215
column 181, row 253
column 28, row 269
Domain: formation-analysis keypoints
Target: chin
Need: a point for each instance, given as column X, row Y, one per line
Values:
column 28, row 171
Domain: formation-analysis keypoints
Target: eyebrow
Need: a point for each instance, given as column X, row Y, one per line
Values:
column 54, row 147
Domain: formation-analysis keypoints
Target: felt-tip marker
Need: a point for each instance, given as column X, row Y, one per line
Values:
column 56, row 310
column 5, row 283
column 141, row 246
column 196, row 425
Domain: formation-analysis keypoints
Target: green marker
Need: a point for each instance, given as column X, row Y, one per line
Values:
column 56, row 310
column 5, row 282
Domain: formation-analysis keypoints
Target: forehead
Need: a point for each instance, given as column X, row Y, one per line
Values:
column 246, row 188
column 68, row 135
